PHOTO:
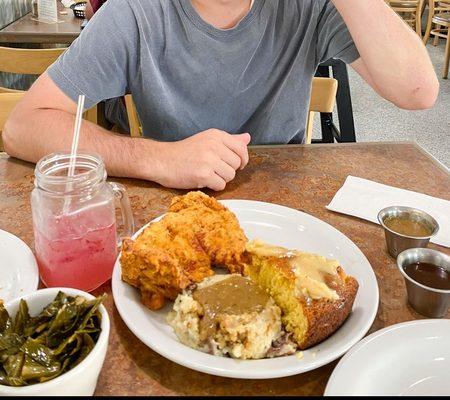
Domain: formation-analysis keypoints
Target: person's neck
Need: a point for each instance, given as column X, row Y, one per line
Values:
column 222, row 14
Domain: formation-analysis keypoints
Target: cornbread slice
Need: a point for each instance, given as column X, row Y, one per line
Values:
column 314, row 293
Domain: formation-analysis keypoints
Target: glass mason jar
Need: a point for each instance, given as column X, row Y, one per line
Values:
column 74, row 221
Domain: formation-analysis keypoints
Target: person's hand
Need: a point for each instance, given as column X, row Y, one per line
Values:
column 207, row 159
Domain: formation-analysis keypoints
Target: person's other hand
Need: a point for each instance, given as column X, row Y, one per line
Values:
column 207, row 159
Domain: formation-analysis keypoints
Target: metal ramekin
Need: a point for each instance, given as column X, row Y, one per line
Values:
column 396, row 242
column 425, row 300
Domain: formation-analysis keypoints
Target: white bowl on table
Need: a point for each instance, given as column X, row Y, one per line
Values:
column 79, row 381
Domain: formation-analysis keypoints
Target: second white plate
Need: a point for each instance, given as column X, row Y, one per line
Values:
column 407, row 359
column 19, row 274
column 277, row 225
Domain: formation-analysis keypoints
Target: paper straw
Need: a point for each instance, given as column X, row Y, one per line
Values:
column 74, row 149
column 76, row 135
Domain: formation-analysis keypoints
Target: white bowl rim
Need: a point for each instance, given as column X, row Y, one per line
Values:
column 104, row 335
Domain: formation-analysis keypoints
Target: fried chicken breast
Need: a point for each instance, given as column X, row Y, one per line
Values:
column 197, row 233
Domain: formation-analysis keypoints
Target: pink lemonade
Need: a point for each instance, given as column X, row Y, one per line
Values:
column 77, row 250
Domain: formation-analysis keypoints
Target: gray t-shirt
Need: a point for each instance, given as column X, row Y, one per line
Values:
column 187, row 76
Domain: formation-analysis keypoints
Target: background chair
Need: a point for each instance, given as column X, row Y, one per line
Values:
column 323, row 99
column 410, row 11
column 133, row 117
column 33, row 62
column 7, row 103
column 439, row 16
column 344, row 109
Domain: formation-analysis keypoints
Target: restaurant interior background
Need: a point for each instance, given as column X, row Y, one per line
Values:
column 321, row 203
column 375, row 118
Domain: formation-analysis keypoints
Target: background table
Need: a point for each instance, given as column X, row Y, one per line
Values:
column 27, row 30
column 302, row 177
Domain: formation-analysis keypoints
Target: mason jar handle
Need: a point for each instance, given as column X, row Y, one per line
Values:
column 125, row 207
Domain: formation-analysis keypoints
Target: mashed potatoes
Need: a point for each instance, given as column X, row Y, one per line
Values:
column 229, row 315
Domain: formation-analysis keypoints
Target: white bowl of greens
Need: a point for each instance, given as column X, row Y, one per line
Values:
column 52, row 342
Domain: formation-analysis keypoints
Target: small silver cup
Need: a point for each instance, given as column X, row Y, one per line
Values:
column 427, row 301
column 396, row 242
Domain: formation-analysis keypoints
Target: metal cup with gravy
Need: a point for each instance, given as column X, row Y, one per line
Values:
column 406, row 228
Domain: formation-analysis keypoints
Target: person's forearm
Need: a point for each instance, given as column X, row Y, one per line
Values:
column 392, row 53
column 42, row 131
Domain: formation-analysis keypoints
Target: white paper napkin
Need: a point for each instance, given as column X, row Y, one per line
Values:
column 364, row 199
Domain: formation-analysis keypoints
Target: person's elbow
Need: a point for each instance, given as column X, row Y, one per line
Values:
column 420, row 95
column 10, row 136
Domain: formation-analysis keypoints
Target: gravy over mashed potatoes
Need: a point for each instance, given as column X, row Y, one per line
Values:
column 229, row 315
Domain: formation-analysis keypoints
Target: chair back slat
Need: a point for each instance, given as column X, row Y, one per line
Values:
column 323, row 99
column 35, row 62
column 323, row 94
column 27, row 61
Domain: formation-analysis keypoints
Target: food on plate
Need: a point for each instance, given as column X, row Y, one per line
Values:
column 196, row 233
column 314, row 293
column 229, row 315
column 38, row 349
column 274, row 301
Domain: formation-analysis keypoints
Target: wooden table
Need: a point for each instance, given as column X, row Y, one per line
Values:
column 302, row 177
column 27, row 30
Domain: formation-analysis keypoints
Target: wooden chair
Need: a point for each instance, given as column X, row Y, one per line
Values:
column 410, row 11
column 439, row 16
column 7, row 103
column 33, row 62
column 133, row 117
column 323, row 99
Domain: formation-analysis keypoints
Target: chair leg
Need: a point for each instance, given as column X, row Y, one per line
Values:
column 309, row 128
column 446, row 58
column 428, row 29
column 436, row 38
column 418, row 23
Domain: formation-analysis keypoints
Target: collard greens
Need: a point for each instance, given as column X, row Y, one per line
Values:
column 37, row 349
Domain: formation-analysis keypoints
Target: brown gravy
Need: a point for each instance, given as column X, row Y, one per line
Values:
column 234, row 295
column 429, row 275
column 408, row 227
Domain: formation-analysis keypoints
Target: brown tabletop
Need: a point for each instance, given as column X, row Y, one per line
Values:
column 27, row 30
column 302, row 177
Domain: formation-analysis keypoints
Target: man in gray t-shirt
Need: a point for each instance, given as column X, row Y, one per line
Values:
column 206, row 75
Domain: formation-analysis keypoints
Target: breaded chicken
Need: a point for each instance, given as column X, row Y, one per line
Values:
column 216, row 228
column 197, row 233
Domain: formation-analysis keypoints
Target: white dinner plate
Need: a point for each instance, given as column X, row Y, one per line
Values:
column 277, row 225
column 407, row 359
column 19, row 274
